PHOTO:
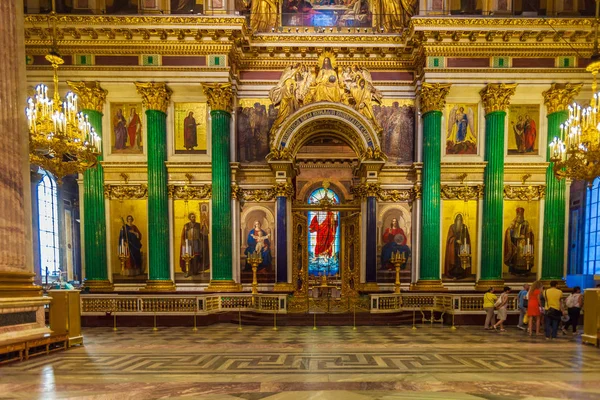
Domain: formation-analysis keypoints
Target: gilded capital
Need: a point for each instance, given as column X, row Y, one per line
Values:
column 90, row 95
column 433, row 96
column 496, row 96
column 284, row 189
column 219, row 96
column 559, row 96
column 155, row 95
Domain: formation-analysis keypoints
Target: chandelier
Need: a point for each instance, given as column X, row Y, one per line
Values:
column 61, row 139
column 576, row 153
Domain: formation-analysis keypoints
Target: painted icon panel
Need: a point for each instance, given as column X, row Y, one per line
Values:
column 523, row 123
column 258, row 238
column 459, row 240
column 191, row 235
column 254, row 120
column 520, row 250
column 127, row 128
column 190, row 128
column 129, row 241
column 397, row 119
column 394, row 237
column 461, row 129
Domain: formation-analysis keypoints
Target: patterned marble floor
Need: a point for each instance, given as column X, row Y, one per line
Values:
column 221, row 362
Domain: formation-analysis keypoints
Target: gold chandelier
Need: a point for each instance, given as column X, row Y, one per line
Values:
column 61, row 139
column 576, row 154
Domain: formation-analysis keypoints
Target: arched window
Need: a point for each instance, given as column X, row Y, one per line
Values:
column 323, row 234
column 48, row 225
column 591, row 252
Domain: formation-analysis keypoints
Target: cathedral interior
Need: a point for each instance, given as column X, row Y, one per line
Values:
column 239, row 165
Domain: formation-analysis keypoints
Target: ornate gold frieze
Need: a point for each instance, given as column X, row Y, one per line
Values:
column 530, row 23
column 155, row 95
column 524, row 193
column 365, row 190
column 559, row 96
column 284, row 189
column 218, row 95
column 90, row 95
column 496, row 96
column 136, row 20
column 126, row 192
column 258, row 195
column 465, row 192
column 263, row 194
column 433, row 96
column 190, row 192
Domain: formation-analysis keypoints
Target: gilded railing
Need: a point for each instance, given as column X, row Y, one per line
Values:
column 94, row 304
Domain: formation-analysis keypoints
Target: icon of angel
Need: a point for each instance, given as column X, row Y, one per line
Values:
column 461, row 130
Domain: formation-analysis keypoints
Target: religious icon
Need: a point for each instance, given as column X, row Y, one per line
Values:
column 194, row 242
column 327, row 85
column 127, row 128
column 523, row 137
column 394, row 240
column 458, row 246
column 254, row 122
column 130, row 244
column 258, row 241
column 323, row 233
column 190, row 128
column 257, row 236
column 397, row 121
column 263, row 15
column 461, row 129
column 519, row 245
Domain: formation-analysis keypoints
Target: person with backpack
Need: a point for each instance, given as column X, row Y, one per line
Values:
column 522, row 303
column 489, row 301
column 554, row 310
column 574, row 305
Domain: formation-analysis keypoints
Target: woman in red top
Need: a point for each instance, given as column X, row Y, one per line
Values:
column 533, row 307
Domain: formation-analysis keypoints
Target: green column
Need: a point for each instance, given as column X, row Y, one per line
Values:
column 430, row 209
column 156, row 100
column 91, row 97
column 491, row 239
column 219, row 99
column 556, row 100
column 432, row 99
column 496, row 98
column 221, row 197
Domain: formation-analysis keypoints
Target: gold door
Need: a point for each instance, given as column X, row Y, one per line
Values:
column 300, row 254
column 350, row 255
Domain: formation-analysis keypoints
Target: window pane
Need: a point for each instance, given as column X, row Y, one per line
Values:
column 48, row 225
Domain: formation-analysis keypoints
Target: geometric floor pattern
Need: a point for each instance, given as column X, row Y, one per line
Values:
column 388, row 363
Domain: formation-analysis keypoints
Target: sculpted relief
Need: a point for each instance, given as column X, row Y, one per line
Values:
column 298, row 86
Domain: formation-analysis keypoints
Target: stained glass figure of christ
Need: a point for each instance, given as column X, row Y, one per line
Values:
column 323, row 235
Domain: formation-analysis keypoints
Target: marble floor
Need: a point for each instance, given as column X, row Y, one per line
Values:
column 222, row 362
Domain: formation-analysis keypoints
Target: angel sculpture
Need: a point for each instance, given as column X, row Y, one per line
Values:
column 461, row 138
column 289, row 93
column 359, row 83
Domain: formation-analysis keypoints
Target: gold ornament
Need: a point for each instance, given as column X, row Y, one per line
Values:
column 496, row 96
column 465, row 193
column 399, row 195
column 524, row 193
column 365, row 190
column 559, row 96
column 155, row 95
column 190, row 192
column 284, row 189
column 433, row 96
column 219, row 96
column 91, row 95
column 126, row 192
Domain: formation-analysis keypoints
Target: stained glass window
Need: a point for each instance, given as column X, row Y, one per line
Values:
column 48, row 225
column 323, row 235
column 591, row 256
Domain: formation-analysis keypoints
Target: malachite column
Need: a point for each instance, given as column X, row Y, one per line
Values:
column 219, row 98
column 155, row 98
column 557, row 101
column 496, row 99
column 432, row 100
column 91, row 98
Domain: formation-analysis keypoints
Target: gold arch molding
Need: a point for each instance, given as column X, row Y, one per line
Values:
column 324, row 118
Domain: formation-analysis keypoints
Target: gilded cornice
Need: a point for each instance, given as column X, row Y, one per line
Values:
column 118, row 47
column 365, row 190
column 496, row 96
column 126, row 192
column 524, row 193
column 190, row 192
column 90, row 95
column 219, row 96
column 137, row 20
column 559, row 96
column 512, row 49
column 417, row 23
column 155, row 95
column 464, row 192
column 433, row 96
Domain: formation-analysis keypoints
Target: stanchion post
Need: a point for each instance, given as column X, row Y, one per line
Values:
column 154, row 329
column 414, row 327
column 239, row 319
column 453, row 327
column 114, row 322
column 195, row 326
column 275, row 320
column 314, row 321
column 354, row 319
